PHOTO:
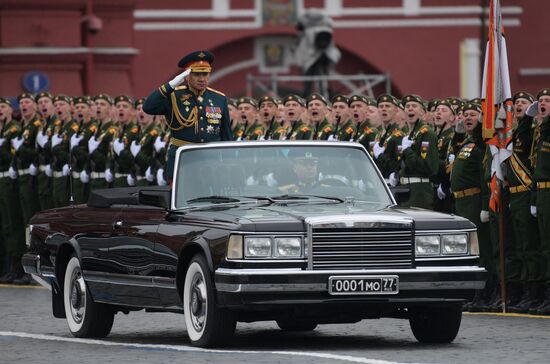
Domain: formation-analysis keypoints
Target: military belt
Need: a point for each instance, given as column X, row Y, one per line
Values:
column 139, row 178
column 518, row 189
column 42, row 168
column 543, row 185
column 120, row 175
column 468, row 192
column 4, row 174
column 58, row 174
column 22, row 172
column 409, row 180
column 75, row 175
column 179, row 142
column 96, row 175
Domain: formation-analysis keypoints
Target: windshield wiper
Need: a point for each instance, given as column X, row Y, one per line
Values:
column 214, row 199
column 305, row 197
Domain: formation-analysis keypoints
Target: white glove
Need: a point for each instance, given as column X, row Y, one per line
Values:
column 48, row 171
column 41, row 139
column 130, row 180
column 56, row 140
column 33, row 171
column 533, row 210
column 84, row 177
column 251, row 181
column 109, row 175
column 451, row 158
column 270, row 180
column 406, row 142
column 92, row 145
column 533, row 109
column 135, row 148
column 149, row 175
column 17, row 142
column 440, row 193
column 160, row 177
column 75, row 140
column 332, row 138
column 377, row 150
column 179, row 78
column 484, row 216
column 12, row 173
column 159, row 144
column 394, row 181
column 118, row 146
column 2, row 140
column 66, row 170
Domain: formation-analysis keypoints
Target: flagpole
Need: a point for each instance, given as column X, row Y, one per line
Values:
column 503, row 292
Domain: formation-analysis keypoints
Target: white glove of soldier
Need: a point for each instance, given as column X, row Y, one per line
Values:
column 159, row 144
column 109, row 175
column 75, row 140
column 48, row 170
column 533, row 210
column 160, row 177
column 66, row 170
column 406, row 142
column 377, row 150
column 451, row 158
column 533, row 109
column 84, row 177
column 56, row 140
column 440, row 193
column 118, row 146
column 130, row 180
column 41, row 139
column 2, row 140
column 135, row 148
column 17, row 142
column 270, row 180
column 33, row 171
column 179, row 78
column 92, row 145
column 394, row 181
column 332, row 138
column 484, row 216
column 12, row 173
column 149, row 175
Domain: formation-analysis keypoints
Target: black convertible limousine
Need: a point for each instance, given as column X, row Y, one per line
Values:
column 303, row 233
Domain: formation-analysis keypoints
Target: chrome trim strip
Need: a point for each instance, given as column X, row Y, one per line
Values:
column 309, row 237
column 297, row 271
column 129, row 280
column 454, row 231
column 446, row 258
column 350, row 220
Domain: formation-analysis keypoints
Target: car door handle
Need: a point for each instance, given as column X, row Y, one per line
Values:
column 117, row 224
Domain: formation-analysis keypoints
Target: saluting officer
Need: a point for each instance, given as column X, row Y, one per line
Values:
column 194, row 112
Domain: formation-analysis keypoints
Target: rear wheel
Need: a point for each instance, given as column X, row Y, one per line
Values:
column 207, row 325
column 84, row 317
column 438, row 325
column 288, row 325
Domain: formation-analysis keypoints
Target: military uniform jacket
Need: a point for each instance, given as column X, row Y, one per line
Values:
column 301, row 131
column 444, row 138
column 280, row 133
column 80, row 153
column 422, row 158
column 254, row 132
column 191, row 117
column 27, row 153
column 347, row 131
column 60, row 153
column 145, row 158
column 100, row 156
column 519, row 169
column 9, row 130
column 323, row 130
column 366, row 135
column 124, row 162
column 541, row 154
column 238, row 131
column 388, row 162
column 48, row 127
column 467, row 171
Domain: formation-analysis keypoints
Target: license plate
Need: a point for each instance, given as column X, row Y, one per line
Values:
column 363, row 285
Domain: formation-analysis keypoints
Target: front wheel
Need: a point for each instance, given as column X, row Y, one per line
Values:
column 437, row 325
column 207, row 325
column 84, row 317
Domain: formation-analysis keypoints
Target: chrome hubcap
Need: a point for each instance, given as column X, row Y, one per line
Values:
column 198, row 302
column 78, row 296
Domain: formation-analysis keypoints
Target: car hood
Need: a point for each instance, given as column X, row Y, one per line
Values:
column 292, row 216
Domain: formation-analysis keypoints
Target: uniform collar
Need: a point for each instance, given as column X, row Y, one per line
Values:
column 195, row 91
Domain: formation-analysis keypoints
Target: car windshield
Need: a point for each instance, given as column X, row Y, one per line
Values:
column 285, row 172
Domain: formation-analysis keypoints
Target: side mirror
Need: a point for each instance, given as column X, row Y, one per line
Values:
column 401, row 194
column 155, row 198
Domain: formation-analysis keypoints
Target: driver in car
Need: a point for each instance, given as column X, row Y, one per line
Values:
column 305, row 168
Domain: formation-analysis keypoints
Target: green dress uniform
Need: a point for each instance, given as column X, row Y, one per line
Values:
column 12, row 240
column 145, row 158
column 300, row 131
column 389, row 161
column 100, row 157
column 254, row 132
column 238, row 131
column 323, row 130
column 124, row 162
column 346, row 132
column 444, row 138
column 367, row 135
column 25, row 156
column 45, row 183
column 61, row 156
column 80, row 161
column 420, row 163
column 272, row 127
column 280, row 133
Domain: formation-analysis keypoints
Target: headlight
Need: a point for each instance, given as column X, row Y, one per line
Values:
column 474, row 243
column 258, row 247
column 427, row 245
column 454, row 244
column 288, row 247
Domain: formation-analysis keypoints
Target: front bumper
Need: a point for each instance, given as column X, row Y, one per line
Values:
column 256, row 287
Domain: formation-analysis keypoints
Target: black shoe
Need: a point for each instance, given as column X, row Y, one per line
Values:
column 23, row 280
column 8, row 277
column 544, row 309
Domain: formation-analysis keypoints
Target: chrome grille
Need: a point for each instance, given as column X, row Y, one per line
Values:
column 361, row 248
